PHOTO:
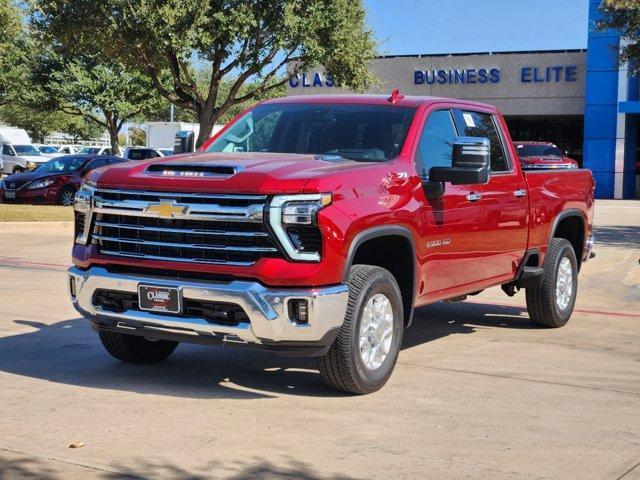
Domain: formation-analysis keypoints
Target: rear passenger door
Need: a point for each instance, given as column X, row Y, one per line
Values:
column 504, row 202
column 451, row 226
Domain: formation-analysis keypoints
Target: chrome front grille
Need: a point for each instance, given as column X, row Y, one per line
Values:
column 184, row 227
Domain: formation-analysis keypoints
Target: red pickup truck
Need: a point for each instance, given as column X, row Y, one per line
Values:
column 315, row 225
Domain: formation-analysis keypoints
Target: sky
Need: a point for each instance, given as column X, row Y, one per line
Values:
column 405, row 27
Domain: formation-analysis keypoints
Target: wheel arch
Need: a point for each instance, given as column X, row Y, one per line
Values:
column 368, row 245
column 564, row 226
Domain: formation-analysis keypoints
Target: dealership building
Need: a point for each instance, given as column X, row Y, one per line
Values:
column 581, row 100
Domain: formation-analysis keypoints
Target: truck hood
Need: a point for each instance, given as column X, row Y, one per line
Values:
column 264, row 173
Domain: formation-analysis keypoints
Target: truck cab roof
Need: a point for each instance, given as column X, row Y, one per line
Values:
column 372, row 99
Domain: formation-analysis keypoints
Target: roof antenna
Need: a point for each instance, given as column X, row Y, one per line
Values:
column 395, row 96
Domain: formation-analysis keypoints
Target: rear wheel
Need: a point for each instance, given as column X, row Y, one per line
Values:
column 66, row 195
column 134, row 349
column 551, row 305
column 364, row 354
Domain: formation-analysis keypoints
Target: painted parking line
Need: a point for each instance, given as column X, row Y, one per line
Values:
column 17, row 262
column 583, row 311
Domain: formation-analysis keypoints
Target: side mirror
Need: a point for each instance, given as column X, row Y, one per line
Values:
column 471, row 163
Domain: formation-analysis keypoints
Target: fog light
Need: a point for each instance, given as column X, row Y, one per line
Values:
column 299, row 311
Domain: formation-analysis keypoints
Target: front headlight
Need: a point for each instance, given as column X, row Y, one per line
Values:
column 30, row 165
column 293, row 219
column 83, row 205
column 40, row 184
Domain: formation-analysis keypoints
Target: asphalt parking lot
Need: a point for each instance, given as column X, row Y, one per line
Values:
column 477, row 392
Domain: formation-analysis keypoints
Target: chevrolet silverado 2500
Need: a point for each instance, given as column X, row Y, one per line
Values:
column 315, row 225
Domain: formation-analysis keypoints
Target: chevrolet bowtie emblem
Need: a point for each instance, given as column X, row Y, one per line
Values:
column 166, row 209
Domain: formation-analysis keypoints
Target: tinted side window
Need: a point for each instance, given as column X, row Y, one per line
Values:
column 115, row 160
column 97, row 163
column 6, row 150
column 436, row 142
column 478, row 124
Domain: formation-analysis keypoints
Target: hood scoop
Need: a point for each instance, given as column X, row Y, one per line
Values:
column 193, row 170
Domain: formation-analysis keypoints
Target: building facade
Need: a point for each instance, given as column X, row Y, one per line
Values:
column 581, row 100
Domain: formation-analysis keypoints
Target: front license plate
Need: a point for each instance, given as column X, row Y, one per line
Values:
column 159, row 299
column 9, row 194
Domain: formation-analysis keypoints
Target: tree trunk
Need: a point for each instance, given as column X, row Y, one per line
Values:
column 113, row 136
column 206, row 120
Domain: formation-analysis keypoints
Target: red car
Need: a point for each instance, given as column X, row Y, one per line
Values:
column 315, row 225
column 542, row 155
column 53, row 183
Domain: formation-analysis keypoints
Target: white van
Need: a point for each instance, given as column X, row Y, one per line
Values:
column 17, row 153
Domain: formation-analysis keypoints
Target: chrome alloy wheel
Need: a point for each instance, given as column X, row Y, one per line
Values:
column 66, row 199
column 376, row 331
column 564, row 283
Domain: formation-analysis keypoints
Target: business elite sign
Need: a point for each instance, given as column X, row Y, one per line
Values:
column 548, row 74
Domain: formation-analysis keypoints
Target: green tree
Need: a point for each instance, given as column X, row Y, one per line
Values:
column 100, row 90
column 253, row 46
column 624, row 16
column 137, row 136
column 12, row 51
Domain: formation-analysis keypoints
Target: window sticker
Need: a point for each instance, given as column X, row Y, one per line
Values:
column 468, row 120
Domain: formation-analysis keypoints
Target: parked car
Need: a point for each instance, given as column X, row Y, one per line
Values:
column 49, row 151
column 542, row 155
column 55, row 182
column 68, row 149
column 144, row 153
column 315, row 225
column 16, row 151
column 96, row 151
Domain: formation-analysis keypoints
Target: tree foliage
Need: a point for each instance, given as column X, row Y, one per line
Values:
column 249, row 47
column 624, row 16
column 101, row 90
column 12, row 50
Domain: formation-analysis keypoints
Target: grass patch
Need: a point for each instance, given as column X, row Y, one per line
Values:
column 34, row 213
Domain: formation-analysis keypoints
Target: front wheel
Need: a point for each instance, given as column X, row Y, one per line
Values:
column 66, row 196
column 365, row 351
column 134, row 349
column 18, row 169
column 551, row 305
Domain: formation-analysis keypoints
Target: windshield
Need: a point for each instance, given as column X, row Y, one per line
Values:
column 369, row 133
column 538, row 151
column 26, row 150
column 47, row 149
column 61, row 165
column 89, row 150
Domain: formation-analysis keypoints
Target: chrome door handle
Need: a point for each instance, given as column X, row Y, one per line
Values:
column 520, row 192
column 474, row 197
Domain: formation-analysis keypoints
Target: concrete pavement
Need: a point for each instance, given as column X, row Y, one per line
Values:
column 477, row 392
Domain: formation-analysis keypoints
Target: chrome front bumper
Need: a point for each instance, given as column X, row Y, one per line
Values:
column 266, row 308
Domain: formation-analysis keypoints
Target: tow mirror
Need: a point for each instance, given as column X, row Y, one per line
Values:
column 471, row 163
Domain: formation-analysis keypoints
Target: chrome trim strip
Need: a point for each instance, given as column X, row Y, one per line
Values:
column 194, row 231
column 139, row 241
column 173, row 259
column 151, row 193
column 549, row 167
column 138, row 208
column 267, row 308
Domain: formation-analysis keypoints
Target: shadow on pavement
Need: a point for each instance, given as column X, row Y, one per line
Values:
column 70, row 352
column 618, row 235
column 27, row 467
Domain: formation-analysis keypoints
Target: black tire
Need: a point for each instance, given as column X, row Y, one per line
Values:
column 62, row 196
column 542, row 302
column 342, row 367
column 134, row 349
column 18, row 169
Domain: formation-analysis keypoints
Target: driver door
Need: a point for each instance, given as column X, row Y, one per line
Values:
column 451, row 226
